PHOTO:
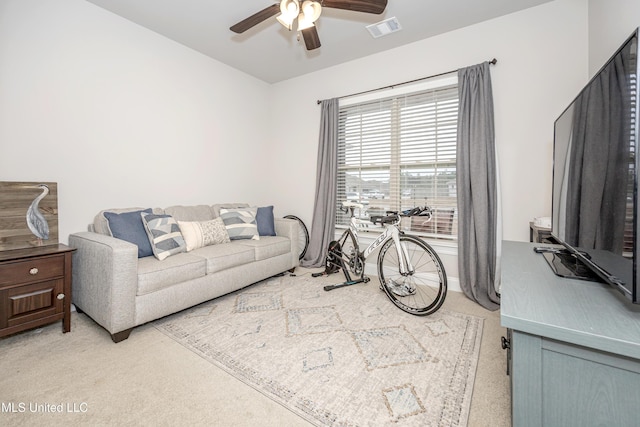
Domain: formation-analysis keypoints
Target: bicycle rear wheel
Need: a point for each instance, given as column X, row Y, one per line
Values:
column 420, row 292
column 303, row 236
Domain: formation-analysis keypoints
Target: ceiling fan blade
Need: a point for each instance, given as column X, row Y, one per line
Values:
column 311, row 38
column 367, row 6
column 256, row 18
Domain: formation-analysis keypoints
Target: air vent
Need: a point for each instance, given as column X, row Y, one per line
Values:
column 385, row 27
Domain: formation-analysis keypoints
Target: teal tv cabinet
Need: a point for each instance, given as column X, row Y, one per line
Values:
column 574, row 346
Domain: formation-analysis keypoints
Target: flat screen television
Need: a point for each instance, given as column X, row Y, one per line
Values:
column 595, row 178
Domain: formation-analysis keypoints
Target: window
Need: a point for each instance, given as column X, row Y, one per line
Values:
column 399, row 152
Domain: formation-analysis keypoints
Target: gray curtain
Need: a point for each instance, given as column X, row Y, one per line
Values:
column 477, row 188
column 598, row 173
column 324, row 210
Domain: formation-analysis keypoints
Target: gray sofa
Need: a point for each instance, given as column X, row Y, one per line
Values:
column 120, row 291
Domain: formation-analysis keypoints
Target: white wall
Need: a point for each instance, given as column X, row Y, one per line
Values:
column 120, row 116
column 542, row 63
column 610, row 23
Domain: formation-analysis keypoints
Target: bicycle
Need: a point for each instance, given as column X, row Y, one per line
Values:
column 411, row 273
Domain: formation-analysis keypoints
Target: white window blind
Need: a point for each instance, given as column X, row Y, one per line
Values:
column 628, row 239
column 399, row 152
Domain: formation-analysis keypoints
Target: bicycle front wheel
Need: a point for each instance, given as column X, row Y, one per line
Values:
column 420, row 291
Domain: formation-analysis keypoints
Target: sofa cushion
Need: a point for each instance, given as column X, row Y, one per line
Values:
column 154, row 275
column 198, row 234
column 129, row 226
column 240, row 223
column 191, row 213
column 164, row 235
column 267, row 247
column 226, row 255
column 265, row 221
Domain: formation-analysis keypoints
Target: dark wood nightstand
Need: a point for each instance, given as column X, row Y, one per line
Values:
column 35, row 288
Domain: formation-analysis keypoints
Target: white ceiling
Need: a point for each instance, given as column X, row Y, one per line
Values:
column 271, row 53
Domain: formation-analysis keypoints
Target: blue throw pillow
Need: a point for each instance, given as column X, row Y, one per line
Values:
column 128, row 226
column 265, row 221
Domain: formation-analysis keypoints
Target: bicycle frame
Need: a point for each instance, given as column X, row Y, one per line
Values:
column 391, row 231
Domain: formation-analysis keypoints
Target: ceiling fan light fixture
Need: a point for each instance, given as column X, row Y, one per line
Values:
column 290, row 7
column 290, row 10
column 303, row 23
column 311, row 10
column 286, row 21
column 310, row 13
column 306, row 12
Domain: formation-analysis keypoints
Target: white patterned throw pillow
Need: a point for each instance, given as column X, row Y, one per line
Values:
column 164, row 235
column 240, row 223
column 198, row 234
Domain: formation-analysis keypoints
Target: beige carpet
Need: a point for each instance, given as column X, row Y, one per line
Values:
column 342, row 358
column 150, row 379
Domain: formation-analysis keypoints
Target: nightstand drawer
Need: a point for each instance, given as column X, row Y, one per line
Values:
column 32, row 270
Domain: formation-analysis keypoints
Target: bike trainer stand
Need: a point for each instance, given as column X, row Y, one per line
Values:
column 348, row 282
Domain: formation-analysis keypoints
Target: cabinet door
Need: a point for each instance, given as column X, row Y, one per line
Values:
column 583, row 387
column 560, row 384
column 27, row 303
column 526, row 380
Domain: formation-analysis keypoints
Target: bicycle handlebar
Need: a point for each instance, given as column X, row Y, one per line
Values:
column 391, row 216
column 417, row 211
column 394, row 216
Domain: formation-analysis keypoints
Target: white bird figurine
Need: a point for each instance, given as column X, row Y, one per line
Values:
column 35, row 220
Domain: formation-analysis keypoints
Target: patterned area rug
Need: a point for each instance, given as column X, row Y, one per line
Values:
column 347, row 357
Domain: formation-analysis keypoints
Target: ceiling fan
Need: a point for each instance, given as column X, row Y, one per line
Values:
column 306, row 13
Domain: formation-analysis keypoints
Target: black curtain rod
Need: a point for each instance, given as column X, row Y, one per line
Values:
column 493, row 62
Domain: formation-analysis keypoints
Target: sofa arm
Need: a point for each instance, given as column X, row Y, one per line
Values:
column 289, row 228
column 105, row 279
